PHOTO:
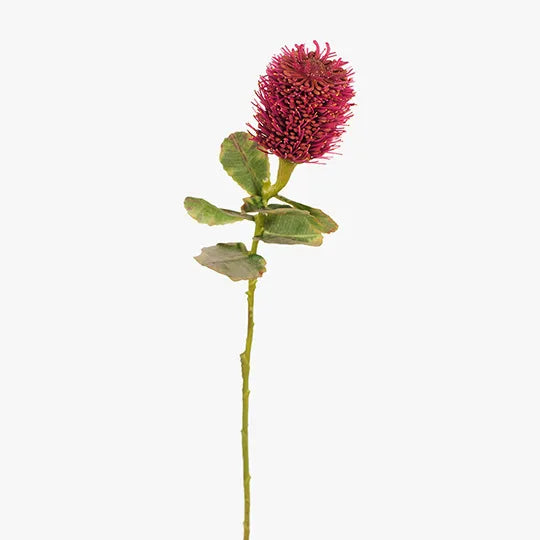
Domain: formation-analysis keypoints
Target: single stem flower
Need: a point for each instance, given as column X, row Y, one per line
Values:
column 302, row 107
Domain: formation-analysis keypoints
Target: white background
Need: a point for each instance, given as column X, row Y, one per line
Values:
column 395, row 369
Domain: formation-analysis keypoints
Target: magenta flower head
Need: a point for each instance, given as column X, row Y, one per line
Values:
column 303, row 104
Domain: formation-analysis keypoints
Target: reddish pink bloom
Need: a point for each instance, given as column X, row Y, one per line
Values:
column 303, row 104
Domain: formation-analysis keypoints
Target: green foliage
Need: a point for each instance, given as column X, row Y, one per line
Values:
column 326, row 223
column 233, row 260
column 205, row 212
column 252, row 204
column 244, row 162
column 255, row 204
column 277, row 209
column 290, row 226
column 273, row 206
column 289, row 222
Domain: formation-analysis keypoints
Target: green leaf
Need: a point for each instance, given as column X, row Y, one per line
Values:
column 326, row 223
column 278, row 209
column 205, row 212
column 290, row 226
column 233, row 260
column 252, row 204
column 255, row 204
column 273, row 206
column 244, row 162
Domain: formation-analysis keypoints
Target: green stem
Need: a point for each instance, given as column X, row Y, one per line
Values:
column 245, row 358
column 285, row 170
column 284, row 173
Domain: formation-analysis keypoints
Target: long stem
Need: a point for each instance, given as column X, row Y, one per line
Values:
column 245, row 358
column 284, row 173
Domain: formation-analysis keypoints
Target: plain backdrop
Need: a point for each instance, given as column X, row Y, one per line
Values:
column 395, row 370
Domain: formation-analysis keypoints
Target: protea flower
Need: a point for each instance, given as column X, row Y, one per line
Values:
column 303, row 104
column 302, row 108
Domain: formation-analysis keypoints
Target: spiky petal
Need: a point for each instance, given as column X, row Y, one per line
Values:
column 303, row 104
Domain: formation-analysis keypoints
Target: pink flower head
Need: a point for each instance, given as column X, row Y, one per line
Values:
column 303, row 104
